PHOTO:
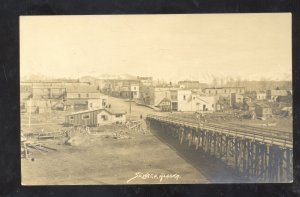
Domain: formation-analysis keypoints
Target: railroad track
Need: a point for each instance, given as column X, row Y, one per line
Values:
column 281, row 138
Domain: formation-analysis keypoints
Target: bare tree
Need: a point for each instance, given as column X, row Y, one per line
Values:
column 215, row 81
column 238, row 81
column 263, row 83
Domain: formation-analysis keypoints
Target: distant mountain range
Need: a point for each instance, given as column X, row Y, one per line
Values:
column 257, row 84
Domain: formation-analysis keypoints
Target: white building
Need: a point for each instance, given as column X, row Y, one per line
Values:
column 135, row 89
column 108, row 116
column 260, row 95
column 193, row 101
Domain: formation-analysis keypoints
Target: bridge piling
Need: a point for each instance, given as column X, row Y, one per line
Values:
column 261, row 159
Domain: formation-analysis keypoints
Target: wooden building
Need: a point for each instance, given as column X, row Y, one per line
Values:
column 82, row 92
column 249, row 106
column 274, row 94
column 94, row 117
column 263, row 110
column 224, row 90
column 165, row 104
column 107, row 116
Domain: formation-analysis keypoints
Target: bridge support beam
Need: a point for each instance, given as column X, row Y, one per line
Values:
column 250, row 158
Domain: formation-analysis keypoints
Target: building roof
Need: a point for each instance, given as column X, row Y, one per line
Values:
column 82, row 89
column 78, row 102
column 278, row 92
column 92, row 110
column 188, row 82
column 144, row 78
column 164, row 100
column 223, row 87
column 263, row 105
column 250, row 104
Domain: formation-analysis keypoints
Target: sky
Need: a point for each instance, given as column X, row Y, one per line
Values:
column 166, row 47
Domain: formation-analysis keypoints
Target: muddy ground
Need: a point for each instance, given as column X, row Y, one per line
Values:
column 102, row 158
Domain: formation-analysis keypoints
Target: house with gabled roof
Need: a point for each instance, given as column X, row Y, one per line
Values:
column 95, row 117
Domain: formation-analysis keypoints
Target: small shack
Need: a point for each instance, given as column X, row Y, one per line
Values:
column 249, row 106
column 165, row 104
column 107, row 116
column 95, row 117
column 86, row 117
column 263, row 110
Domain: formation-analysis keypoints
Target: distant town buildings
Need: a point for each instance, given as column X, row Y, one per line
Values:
column 224, row 90
column 146, row 81
column 260, row 95
column 92, row 96
column 274, row 94
column 189, row 100
column 44, row 96
column 192, row 84
column 82, row 92
column 263, row 110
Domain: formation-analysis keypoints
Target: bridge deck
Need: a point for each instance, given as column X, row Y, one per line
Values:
column 260, row 154
column 265, row 136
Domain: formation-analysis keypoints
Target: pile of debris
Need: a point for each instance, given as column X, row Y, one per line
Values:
column 77, row 135
column 120, row 135
column 136, row 126
column 30, row 145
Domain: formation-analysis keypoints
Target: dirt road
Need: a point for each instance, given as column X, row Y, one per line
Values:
column 136, row 110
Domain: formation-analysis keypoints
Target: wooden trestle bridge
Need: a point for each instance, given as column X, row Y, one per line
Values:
column 262, row 155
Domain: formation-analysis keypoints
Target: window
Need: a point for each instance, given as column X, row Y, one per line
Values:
column 119, row 115
column 212, row 105
column 193, row 98
column 91, row 104
column 71, row 117
column 78, row 95
column 87, row 95
column 87, row 116
column 104, row 117
column 183, row 97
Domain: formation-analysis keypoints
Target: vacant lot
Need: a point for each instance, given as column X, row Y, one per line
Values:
column 100, row 158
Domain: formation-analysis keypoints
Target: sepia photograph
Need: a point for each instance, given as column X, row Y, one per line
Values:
column 156, row 99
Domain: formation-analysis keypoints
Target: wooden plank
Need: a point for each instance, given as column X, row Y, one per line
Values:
column 281, row 178
column 288, row 165
column 244, row 156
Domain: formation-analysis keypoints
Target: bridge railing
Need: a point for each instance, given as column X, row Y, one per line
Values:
column 270, row 137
